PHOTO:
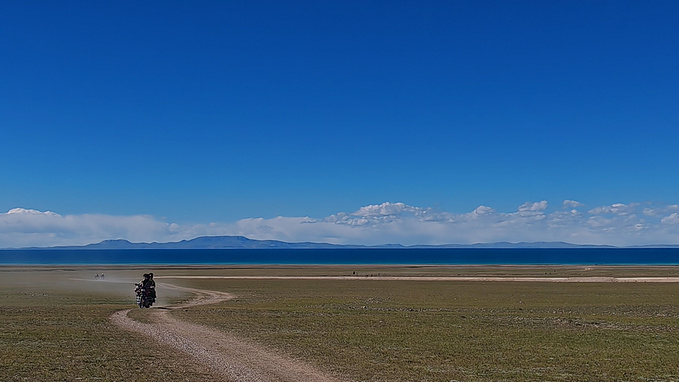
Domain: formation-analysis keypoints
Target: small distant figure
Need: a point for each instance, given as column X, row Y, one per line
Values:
column 96, row 277
column 102, row 277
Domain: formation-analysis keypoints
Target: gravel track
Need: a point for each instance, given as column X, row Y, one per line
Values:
column 229, row 357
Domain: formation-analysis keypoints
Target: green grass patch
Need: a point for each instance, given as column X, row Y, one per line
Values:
column 443, row 331
column 55, row 324
column 55, row 327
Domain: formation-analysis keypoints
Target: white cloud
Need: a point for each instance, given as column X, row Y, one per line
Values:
column 385, row 213
column 615, row 209
column 671, row 219
column 22, row 227
column 24, row 211
column 615, row 224
column 572, row 204
column 483, row 210
column 655, row 211
column 532, row 210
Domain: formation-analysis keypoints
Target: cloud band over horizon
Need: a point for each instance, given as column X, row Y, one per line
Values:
column 387, row 223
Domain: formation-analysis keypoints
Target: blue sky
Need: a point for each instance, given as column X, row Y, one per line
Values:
column 217, row 113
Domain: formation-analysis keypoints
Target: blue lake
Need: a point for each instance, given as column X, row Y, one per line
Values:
column 552, row 256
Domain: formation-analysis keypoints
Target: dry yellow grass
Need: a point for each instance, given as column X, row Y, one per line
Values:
column 55, row 327
column 55, row 324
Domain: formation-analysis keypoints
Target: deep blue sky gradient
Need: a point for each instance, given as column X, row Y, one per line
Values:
column 221, row 110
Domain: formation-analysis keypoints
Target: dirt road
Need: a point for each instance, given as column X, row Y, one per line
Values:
column 229, row 357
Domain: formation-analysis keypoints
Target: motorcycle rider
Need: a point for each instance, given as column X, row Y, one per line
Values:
column 149, row 285
column 146, row 288
column 152, row 287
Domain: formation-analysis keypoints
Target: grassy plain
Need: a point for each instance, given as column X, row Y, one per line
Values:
column 54, row 326
column 55, row 323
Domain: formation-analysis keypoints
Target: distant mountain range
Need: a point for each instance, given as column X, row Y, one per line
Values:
column 206, row 242
column 240, row 242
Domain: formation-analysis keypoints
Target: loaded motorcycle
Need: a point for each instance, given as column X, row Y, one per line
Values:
column 144, row 296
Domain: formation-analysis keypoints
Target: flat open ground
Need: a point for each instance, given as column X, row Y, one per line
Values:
column 362, row 323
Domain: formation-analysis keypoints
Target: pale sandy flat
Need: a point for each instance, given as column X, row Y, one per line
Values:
column 593, row 279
